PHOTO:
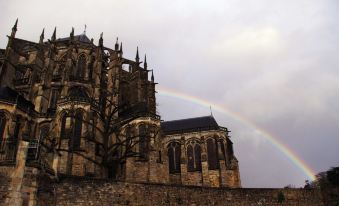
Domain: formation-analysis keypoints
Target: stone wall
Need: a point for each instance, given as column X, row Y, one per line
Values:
column 104, row 192
column 5, row 182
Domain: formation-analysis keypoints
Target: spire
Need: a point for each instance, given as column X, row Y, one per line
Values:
column 53, row 38
column 117, row 44
column 72, row 34
column 145, row 63
column 101, row 40
column 16, row 24
column 152, row 77
column 42, row 36
column 85, row 29
column 121, row 47
column 137, row 56
column 15, row 28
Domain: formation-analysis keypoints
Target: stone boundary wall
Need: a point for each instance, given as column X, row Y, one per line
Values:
column 103, row 192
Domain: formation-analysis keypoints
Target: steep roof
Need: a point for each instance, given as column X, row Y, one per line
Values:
column 81, row 38
column 204, row 123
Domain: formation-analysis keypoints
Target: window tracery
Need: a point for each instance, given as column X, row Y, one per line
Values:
column 193, row 156
column 81, row 67
column 174, row 156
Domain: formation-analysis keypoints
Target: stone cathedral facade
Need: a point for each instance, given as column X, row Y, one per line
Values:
column 72, row 108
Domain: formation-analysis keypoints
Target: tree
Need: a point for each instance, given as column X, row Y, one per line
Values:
column 333, row 176
column 328, row 183
column 327, row 179
column 108, row 121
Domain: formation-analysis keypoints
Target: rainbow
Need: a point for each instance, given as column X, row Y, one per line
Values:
column 292, row 156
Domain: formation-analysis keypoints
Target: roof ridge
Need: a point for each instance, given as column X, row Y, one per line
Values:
column 190, row 118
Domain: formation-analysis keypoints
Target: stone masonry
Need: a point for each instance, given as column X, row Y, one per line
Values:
column 94, row 192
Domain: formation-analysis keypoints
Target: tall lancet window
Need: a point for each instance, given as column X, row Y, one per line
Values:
column 174, row 155
column 212, row 153
column 193, row 157
column 77, row 130
column 63, row 131
column 128, row 138
column 81, row 67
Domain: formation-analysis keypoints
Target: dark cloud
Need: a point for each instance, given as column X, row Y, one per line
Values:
column 275, row 63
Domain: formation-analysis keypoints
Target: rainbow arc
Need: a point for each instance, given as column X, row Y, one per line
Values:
column 283, row 148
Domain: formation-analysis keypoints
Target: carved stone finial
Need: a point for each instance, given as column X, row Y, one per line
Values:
column 72, row 34
column 53, row 38
column 145, row 63
column 117, row 44
column 152, row 77
column 42, row 36
column 137, row 59
column 15, row 28
column 101, row 40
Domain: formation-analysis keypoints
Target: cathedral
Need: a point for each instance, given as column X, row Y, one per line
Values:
column 71, row 107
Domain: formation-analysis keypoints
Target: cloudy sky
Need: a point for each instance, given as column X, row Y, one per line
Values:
column 273, row 63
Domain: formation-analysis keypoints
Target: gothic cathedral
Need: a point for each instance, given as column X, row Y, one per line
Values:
column 69, row 107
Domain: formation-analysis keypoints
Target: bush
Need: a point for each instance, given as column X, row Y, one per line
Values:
column 281, row 197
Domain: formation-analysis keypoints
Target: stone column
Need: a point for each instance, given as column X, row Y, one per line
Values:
column 183, row 161
column 204, row 164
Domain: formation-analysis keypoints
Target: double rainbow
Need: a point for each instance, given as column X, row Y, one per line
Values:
column 292, row 156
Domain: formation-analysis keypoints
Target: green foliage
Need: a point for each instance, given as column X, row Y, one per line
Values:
column 281, row 197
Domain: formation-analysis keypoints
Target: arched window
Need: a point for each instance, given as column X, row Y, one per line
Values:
column 143, row 141
column 128, row 138
column 190, row 159
column 81, row 67
column 197, row 157
column 76, row 138
column 212, row 152
column 174, row 155
column 2, row 126
column 193, row 157
column 63, row 133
